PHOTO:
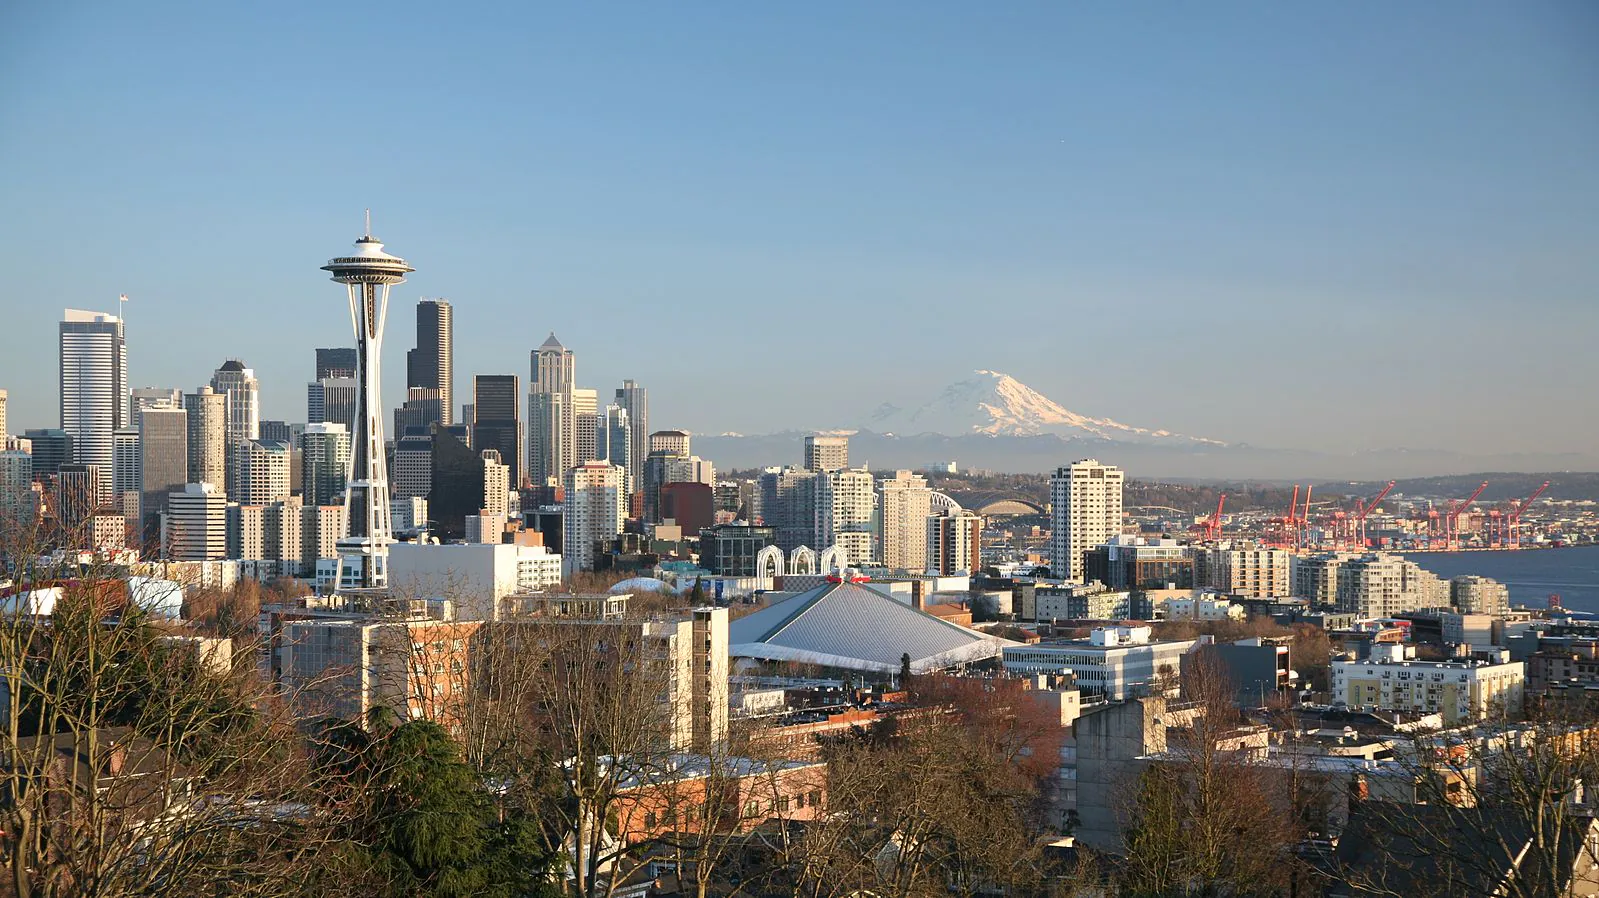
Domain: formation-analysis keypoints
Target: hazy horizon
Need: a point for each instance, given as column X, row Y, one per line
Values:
column 1336, row 228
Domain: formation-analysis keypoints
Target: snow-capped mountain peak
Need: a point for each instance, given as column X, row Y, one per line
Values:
column 997, row 404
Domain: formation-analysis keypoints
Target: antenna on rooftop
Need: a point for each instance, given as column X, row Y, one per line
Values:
column 369, row 222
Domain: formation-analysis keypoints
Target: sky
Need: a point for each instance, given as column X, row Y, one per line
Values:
column 1324, row 226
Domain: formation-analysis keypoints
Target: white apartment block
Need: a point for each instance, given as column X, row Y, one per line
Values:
column 1114, row 662
column 475, row 577
column 1461, row 691
column 1086, row 511
column 260, row 473
column 593, row 513
column 1246, row 569
column 904, row 504
column 496, row 485
column 239, row 384
column 195, row 524
column 1478, row 595
column 345, row 667
column 1380, row 585
column 845, row 504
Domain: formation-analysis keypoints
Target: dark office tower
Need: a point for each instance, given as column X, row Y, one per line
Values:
column 636, row 400
column 457, row 487
column 52, row 448
column 431, row 365
column 338, row 362
column 163, row 463
column 496, row 405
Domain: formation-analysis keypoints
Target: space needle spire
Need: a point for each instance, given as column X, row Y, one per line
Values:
column 367, row 274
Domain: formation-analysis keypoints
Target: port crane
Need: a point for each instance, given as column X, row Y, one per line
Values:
column 1452, row 519
column 1361, row 512
column 1513, row 519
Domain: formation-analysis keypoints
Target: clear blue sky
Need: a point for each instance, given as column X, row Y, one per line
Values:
column 1302, row 225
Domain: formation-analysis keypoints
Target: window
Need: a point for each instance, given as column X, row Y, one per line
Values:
column 649, row 820
column 782, row 804
column 816, row 798
column 752, row 808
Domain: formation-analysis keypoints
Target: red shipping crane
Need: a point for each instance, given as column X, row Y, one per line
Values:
column 1513, row 519
column 1213, row 526
column 1361, row 511
column 1452, row 519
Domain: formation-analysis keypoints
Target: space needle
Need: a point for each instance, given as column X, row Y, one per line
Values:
column 367, row 274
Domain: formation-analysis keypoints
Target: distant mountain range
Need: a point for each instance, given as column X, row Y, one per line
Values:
column 993, row 421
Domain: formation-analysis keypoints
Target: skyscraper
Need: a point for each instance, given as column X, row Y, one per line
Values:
column 826, row 453
column 636, row 400
column 904, row 504
column 332, row 400
column 52, row 448
column 141, row 398
column 94, row 383
column 1086, row 511
column 195, row 527
column 208, row 434
column 845, row 502
column 431, row 365
column 585, row 426
column 125, row 478
column 243, row 392
column 163, row 463
column 324, row 463
column 496, row 401
column 367, row 274
column 615, row 444
column 552, row 411
column 82, row 491
column 593, row 514
column 261, row 473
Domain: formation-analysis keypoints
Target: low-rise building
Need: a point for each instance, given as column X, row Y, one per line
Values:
column 1466, row 690
column 1114, row 662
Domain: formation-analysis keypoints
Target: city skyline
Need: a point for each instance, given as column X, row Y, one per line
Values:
column 1289, row 184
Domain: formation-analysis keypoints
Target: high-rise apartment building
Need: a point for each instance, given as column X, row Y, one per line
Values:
column 788, row 506
column 636, row 400
column 845, row 502
column 208, row 436
column 496, row 400
column 954, row 542
column 1382, row 585
column 496, row 485
column 585, row 426
column 592, row 514
column 195, row 524
column 431, row 365
column 1245, row 569
column 94, row 383
column 261, row 473
column 1086, row 511
column 163, row 463
column 826, row 453
column 325, row 463
column 1478, row 595
column 552, row 412
column 237, row 382
column 904, row 504
column 16, row 486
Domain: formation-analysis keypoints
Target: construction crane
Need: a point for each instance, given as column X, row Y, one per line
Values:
column 1361, row 511
column 1513, row 519
column 1452, row 519
column 1213, row 526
